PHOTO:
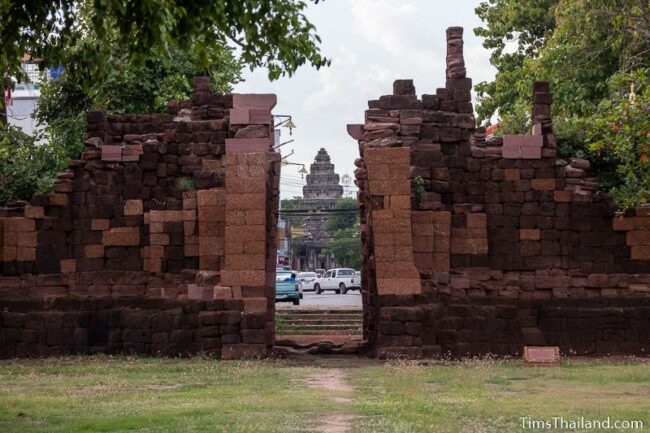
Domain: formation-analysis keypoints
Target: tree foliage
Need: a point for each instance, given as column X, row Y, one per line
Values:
column 345, row 244
column 343, row 233
column 26, row 167
column 621, row 134
column 272, row 34
column 343, row 220
column 585, row 48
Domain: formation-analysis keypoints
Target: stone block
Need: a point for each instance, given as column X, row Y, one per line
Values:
column 255, row 305
column 239, row 116
column 477, row 220
column 25, row 254
column 243, row 278
column 121, row 236
column 111, row 153
column 211, row 197
column 529, row 234
column 248, row 145
column 94, row 251
column 394, row 155
column 68, row 266
column 133, row 207
column 563, row 196
column 100, row 224
column 242, row 351
column 543, row 184
column 19, row 225
column 254, row 100
column 638, row 238
column 34, row 212
column 399, row 286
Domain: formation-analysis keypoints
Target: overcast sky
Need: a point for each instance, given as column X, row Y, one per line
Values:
column 371, row 43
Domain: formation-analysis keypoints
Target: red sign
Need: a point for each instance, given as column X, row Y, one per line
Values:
column 542, row 355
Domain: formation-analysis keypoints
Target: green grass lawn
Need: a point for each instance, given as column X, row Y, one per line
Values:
column 120, row 394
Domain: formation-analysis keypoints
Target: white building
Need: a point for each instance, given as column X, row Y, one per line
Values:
column 20, row 111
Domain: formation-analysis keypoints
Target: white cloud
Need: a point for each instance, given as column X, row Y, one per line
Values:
column 398, row 28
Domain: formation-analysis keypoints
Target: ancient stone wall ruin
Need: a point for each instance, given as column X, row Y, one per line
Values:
column 474, row 245
column 162, row 238
column 182, row 206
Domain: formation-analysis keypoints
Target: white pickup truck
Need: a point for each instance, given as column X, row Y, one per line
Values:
column 340, row 280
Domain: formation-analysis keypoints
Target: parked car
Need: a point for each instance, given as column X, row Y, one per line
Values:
column 307, row 280
column 357, row 280
column 340, row 280
column 286, row 287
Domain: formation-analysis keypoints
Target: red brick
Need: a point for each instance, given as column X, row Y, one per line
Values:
column 243, row 277
column 642, row 223
column 100, row 224
column 392, row 155
column 26, row 239
column 246, row 201
column 35, row 212
column 245, row 261
column 255, row 305
column 543, row 184
column 68, row 266
column 563, row 196
column 211, row 197
column 19, row 225
column 476, row 220
column 468, row 246
column 638, row 237
column 161, row 239
column 529, row 234
column 239, row 351
column 59, row 199
column 212, row 214
column 623, row 224
column 254, row 100
column 211, row 246
column 248, row 145
column 9, row 253
column 399, row 286
column 94, row 251
column 239, row 116
column 25, row 254
column 121, row 236
column 511, row 174
column 133, row 207
column 443, row 217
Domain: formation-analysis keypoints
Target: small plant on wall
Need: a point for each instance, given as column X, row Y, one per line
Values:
column 418, row 185
column 185, row 184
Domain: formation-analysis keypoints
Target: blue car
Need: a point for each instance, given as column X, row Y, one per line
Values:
column 286, row 287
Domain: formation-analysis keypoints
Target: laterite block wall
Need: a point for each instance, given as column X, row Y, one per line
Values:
column 476, row 244
column 181, row 206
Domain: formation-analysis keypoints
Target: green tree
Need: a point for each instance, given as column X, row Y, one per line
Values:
column 343, row 233
column 621, row 134
column 345, row 244
column 272, row 34
column 580, row 46
column 343, row 220
column 25, row 166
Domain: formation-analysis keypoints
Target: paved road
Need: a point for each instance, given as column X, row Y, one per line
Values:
column 326, row 299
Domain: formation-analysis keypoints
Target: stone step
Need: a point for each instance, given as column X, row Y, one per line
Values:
column 319, row 311
column 330, row 327
column 303, row 322
column 351, row 332
column 320, row 322
column 320, row 317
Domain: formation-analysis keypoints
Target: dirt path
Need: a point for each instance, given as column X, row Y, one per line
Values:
column 335, row 382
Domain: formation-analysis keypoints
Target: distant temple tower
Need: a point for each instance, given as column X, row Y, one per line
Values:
column 321, row 192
